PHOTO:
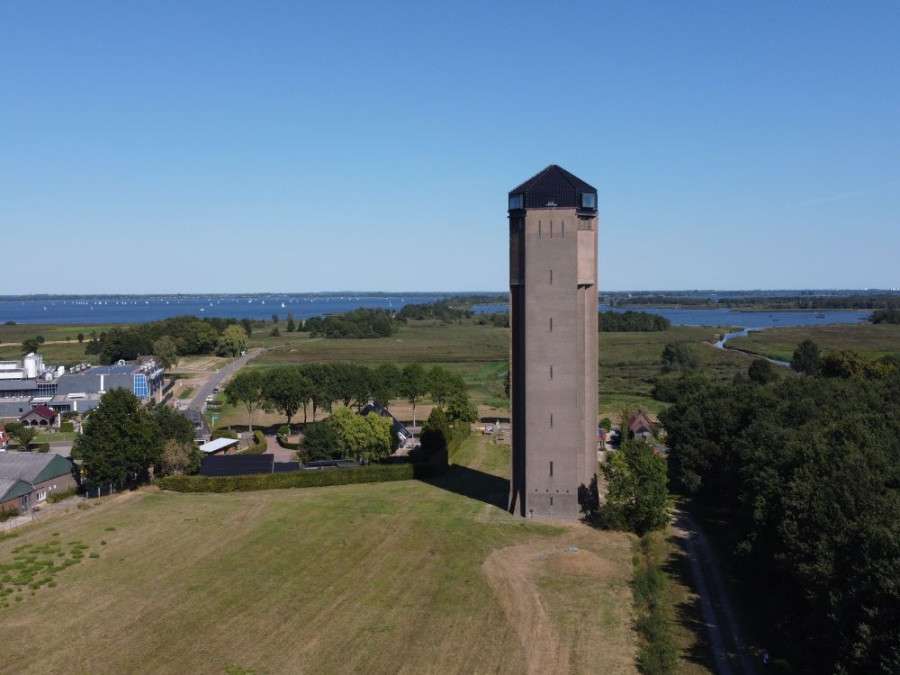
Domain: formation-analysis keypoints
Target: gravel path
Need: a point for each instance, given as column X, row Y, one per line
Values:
column 729, row 647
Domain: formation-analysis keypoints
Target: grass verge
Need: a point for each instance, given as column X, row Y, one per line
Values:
column 657, row 653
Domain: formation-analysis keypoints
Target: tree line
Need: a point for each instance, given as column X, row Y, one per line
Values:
column 799, row 301
column 885, row 316
column 170, row 338
column 312, row 387
column 631, row 322
column 448, row 310
column 359, row 323
column 805, row 471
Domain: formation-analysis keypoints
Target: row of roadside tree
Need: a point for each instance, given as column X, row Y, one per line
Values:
column 314, row 387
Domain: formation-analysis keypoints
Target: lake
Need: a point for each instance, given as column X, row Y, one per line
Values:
column 137, row 309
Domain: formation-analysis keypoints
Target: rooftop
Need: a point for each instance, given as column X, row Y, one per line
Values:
column 29, row 466
column 218, row 444
column 553, row 187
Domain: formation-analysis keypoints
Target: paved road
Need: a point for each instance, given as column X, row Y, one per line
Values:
column 725, row 636
column 219, row 377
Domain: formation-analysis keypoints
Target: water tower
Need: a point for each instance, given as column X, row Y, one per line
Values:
column 553, row 356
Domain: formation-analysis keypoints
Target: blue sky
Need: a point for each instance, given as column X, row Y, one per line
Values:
column 286, row 146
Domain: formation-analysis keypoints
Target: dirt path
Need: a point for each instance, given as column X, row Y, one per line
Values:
column 726, row 638
column 508, row 573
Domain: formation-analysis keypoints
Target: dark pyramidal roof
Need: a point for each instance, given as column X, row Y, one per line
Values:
column 553, row 185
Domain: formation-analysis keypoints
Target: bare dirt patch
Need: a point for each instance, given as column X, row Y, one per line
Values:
column 508, row 571
column 568, row 601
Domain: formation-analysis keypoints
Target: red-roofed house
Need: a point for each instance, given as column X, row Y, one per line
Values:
column 39, row 416
column 640, row 426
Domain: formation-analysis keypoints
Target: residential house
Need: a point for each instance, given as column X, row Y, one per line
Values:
column 28, row 478
column 201, row 428
column 640, row 426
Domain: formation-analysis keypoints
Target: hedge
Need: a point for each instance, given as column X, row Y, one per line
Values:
column 67, row 427
column 372, row 473
column 59, row 496
column 287, row 445
column 260, row 446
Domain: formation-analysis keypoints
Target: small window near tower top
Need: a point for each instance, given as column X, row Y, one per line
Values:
column 588, row 200
column 515, row 202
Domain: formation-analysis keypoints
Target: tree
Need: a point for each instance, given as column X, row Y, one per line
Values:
column 31, row 345
column 233, row 340
column 435, row 436
column 173, row 426
column 120, row 441
column 761, row 371
column 385, row 383
column 275, row 317
column 637, row 499
column 247, row 387
column 166, row 352
column 321, row 386
column 852, row 365
column 351, row 382
column 80, row 338
column 179, row 458
column 414, row 385
column 284, row 390
column 442, row 384
column 679, row 356
column 291, row 324
column 21, row 434
column 807, row 358
column 460, row 407
column 361, row 437
column 320, row 441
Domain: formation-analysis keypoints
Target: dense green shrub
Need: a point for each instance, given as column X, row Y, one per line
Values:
column 67, row 427
column 6, row 514
column 373, row 473
column 39, row 447
column 59, row 496
column 224, row 432
column 287, row 445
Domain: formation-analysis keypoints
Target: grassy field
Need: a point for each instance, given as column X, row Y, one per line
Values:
column 872, row 340
column 400, row 577
column 628, row 361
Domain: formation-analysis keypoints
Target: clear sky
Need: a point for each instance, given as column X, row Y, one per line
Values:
column 287, row 146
